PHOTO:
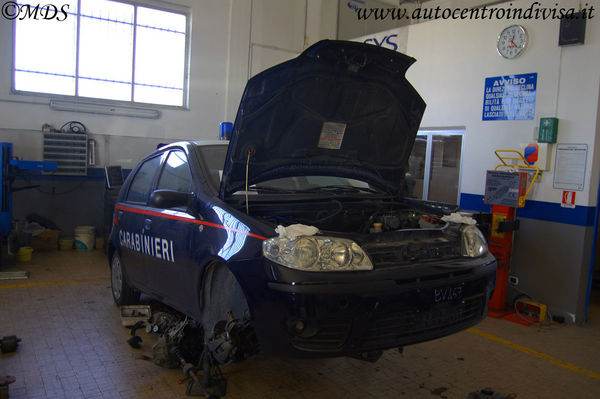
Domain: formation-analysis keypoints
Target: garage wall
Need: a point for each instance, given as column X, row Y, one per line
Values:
column 231, row 40
column 228, row 37
column 552, row 250
column 210, row 32
column 348, row 28
column 268, row 32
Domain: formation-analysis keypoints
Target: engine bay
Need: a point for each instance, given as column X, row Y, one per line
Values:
column 348, row 216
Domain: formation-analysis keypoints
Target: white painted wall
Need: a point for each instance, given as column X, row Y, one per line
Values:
column 267, row 32
column 230, row 41
column 552, row 260
column 455, row 57
column 210, row 31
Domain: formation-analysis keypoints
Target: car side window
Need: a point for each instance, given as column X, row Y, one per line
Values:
column 176, row 173
column 142, row 181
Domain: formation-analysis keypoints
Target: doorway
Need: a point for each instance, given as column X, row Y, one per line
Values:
column 434, row 166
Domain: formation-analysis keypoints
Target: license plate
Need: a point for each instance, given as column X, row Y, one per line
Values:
column 448, row 294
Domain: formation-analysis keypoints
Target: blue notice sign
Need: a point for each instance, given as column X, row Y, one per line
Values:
column 509, row 97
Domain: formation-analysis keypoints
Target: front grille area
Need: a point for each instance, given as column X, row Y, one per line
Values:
column 353, row 323
column 370, row 323
column 391, row 324
column 331, row 336
column 406, row 254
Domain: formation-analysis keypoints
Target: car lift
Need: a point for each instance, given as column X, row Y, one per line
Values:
column 504, row 223
column 8, row 170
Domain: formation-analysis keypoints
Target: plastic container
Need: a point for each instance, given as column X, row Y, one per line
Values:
column 85, row 237
column 24, row 254
column 66, row 243
column 377, row 228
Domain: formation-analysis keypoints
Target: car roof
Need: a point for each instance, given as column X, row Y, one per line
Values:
column 209, row 142
column 199, row 143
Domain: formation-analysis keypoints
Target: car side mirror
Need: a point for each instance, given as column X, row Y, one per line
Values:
column 165, row 199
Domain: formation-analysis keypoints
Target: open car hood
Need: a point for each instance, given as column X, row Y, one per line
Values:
column 338, row 109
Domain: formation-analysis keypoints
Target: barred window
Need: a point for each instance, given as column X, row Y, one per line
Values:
column 103, row 49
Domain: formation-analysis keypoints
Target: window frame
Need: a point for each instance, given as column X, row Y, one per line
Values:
column 156, row 5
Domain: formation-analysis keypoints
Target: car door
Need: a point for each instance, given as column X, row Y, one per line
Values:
column 131, row 218
column 172, row 231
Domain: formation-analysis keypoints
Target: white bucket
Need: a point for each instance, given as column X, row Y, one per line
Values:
column 85, row 237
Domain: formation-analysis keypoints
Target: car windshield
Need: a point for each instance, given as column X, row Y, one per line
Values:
column 214, row 159
column 297, row 184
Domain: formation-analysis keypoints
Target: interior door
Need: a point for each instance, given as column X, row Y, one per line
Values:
column 444, row 176
column 434, row 166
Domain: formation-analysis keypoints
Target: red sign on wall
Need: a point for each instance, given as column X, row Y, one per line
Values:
column 568, row 199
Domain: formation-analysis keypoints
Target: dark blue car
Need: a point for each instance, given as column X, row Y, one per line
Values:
column 319, row 148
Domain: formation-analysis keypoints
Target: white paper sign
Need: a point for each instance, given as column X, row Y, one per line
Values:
column 569, row 170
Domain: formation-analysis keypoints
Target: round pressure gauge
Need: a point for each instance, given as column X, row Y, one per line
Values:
column 512, row 41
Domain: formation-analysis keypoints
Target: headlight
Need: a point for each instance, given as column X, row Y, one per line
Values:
column 473, row 242
column 328, row 254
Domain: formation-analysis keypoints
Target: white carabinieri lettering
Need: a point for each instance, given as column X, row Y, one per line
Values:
column 157, row 247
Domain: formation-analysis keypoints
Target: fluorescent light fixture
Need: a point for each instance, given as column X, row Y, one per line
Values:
column 105, row 109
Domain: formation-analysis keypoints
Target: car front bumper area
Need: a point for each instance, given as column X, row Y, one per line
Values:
column 342, row 318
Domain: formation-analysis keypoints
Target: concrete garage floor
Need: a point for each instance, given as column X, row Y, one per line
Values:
column 73, row 346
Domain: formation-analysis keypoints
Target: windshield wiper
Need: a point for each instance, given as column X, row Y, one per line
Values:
column 268, row 189
column 340, row 189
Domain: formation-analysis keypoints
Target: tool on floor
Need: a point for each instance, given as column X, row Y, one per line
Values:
column 488, row 393
column 136, row 341
column 9, row 343
column 5, row 381
column 19, row 275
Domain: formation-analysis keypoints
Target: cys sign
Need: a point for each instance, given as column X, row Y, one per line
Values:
column 388, row 41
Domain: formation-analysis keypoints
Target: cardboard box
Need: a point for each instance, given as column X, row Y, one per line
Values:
column 47, row 240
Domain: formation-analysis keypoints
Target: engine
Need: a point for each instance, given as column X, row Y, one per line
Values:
column 345, row 216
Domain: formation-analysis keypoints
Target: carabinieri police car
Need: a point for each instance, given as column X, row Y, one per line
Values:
column 298, row 228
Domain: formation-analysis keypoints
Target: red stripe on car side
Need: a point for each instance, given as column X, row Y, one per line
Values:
column 182, row 219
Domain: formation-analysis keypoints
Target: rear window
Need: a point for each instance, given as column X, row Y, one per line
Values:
column 213, row 157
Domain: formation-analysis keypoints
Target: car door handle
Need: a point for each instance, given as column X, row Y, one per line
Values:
column 119, row 215
column 147, row 224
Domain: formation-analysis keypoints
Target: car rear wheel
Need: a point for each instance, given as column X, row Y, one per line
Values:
column 123, row 293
